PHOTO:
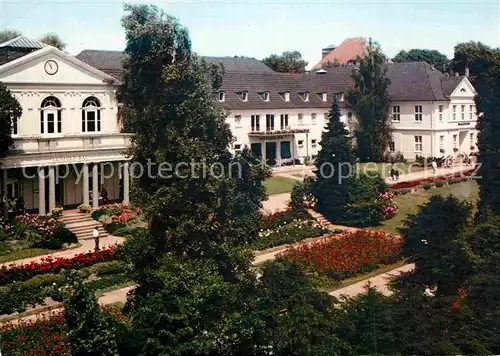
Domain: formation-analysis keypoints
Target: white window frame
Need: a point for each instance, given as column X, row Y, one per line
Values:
column 313, row 118
column 15, row 127
column 95, row 109
column 455, row 141
column 392, row 145
column 270, row 124
column 441, row 142
column 418, row 113
column 471, row 139
column 314, row 143
column 255, row 123
column 300, row 118
column 222, row 96
column 284, row 123
column 324, row 97
column 462, row 112
column 237, row 121
column 418, row 143
column 396, row 113
column 237, row 146
column 13, row 186
column 300, row 143
column 454, row 108
column 287, row 96
column 471, row 113
column 440, row 109
column 244, row 96
column 265, row 96
column 51, row 109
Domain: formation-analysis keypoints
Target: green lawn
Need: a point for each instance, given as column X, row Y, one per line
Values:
column 408, row 203
column 385, row 168
column 24, row 253
column 278, row 185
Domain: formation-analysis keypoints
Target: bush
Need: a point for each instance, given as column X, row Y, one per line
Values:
column 107, row 268
column 362, row 214
column 439, row 184
column 301, row 197
column 57, row 212
column 62, row 236
column 280, row 218
column 427, row 186
column 401, row 191
column 96, row 214
column 84, row 208
column 454, row 181
column 293, row 232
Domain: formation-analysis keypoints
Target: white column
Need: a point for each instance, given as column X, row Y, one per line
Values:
column 41, row 191
column 263, row 151
column 292, row 150
column 52, row 189
column 278, row 152
column 126, row 182
column 95, row 186
column 5, row 202
column 85, row 175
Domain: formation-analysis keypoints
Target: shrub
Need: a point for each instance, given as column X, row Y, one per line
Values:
column 454, row 181
column 344, row 256
column 62, row 236
column 388, row 205
column 401, row 191
column 280, row 218
column 57, row 212
column 84, row 208
column 293, row 232
column 439, row 184
column 13, row 272
column 107, row 268
column 427, row 186
column 362, row 214
column 39, row 231
column 301, row 197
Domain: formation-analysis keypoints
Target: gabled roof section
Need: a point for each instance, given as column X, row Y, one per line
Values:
column 249, row 65
column 22, row 42
column 56, row 52
column 347, row 51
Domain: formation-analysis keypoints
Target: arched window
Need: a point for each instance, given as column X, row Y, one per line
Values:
column 91, row 115
column 51, row 116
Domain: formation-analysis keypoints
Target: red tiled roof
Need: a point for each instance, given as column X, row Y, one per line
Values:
column 345, row 52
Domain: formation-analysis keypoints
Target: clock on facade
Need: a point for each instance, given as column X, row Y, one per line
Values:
column 51, row 67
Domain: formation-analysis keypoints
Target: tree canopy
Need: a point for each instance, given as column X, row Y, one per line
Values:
column 10, row 111
column 287, row 62
column 431, row 56
column 53, row 40
column 371, row 102
column 7, row 35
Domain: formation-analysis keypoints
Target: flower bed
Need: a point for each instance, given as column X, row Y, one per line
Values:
column 116, row 216
column 280, row 218
column 448, row 178
column 389, row 206
column 42, row 337
column 345, row 255
column 13, row 272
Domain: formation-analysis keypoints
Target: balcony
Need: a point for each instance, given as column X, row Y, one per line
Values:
column 70, row 143
column 271, row 132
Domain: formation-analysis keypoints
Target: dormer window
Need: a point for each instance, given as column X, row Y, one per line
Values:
column 323, row 96
column 222, row 96
column 287, row 96
column 305, row 96
column 340, row 97
column 244, row 95
column 264, row 95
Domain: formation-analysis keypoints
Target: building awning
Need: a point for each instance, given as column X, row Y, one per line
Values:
column 277, row 132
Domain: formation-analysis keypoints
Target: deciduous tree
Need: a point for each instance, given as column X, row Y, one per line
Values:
column 431, row 56
column 10, row 112
column 287, row 62
column 53, row 40
column 7, row 35
column 371, row 102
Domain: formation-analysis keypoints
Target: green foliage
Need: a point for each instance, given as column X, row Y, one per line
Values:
column 288, row 62
column 53, row 40
column 439, row 184
column 432, row 239
column 431, row 56
column 401, row 191
column 371, row 102
column 334, row 166
column 302, row 197
column 427, row 186
column 7, row 35
column 10, row 110
column 90, row 330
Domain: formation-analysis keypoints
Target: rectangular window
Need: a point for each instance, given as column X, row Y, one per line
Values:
column 313, row 143
column 237, row 120
column 325, row 117
column 244, row 96
column 454, row 117
column 396, row 113
column 462, row 112
column 15, row 127
column 454, row 141
column 324, row 96
column 42, row 122
column 301, row 119
column 392, row 146
column 237, row 147
column 91, row 121
column 471, row 138
column 269, row 122
column 440, row 113
column 418, row 113
column 266, row 96
column 284, row 121
column 59, row 122
column 441, row 142
column 301, row 143
column 471, row 112
column 418, row 143
column 255, row 122
column 51, row 123
column 349, row 115
column 313, row 118
column 13, row 190
column 222, row 96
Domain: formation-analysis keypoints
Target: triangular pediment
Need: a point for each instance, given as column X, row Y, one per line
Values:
column 464, row 89
column 51, row 66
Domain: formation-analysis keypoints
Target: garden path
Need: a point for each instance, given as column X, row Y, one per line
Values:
column 276, row 202
column 86, row 246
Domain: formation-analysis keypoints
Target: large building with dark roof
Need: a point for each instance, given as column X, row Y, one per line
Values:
column 281, row 115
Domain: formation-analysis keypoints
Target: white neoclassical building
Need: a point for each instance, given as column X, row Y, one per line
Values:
column 68, row 145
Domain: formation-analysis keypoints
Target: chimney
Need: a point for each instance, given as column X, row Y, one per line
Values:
column 325, row 51
column 467, row 72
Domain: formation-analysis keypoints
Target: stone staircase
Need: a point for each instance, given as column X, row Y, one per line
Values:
column 82, row 225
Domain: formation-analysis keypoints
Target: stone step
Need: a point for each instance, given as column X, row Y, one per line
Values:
column 78, row 224
column 82, row 217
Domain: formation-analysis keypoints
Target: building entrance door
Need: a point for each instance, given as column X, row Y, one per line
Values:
column 271, row 153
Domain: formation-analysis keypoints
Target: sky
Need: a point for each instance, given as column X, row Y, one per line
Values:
column 257, row 29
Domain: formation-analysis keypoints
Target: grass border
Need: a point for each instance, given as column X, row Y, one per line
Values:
column 51, row 252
